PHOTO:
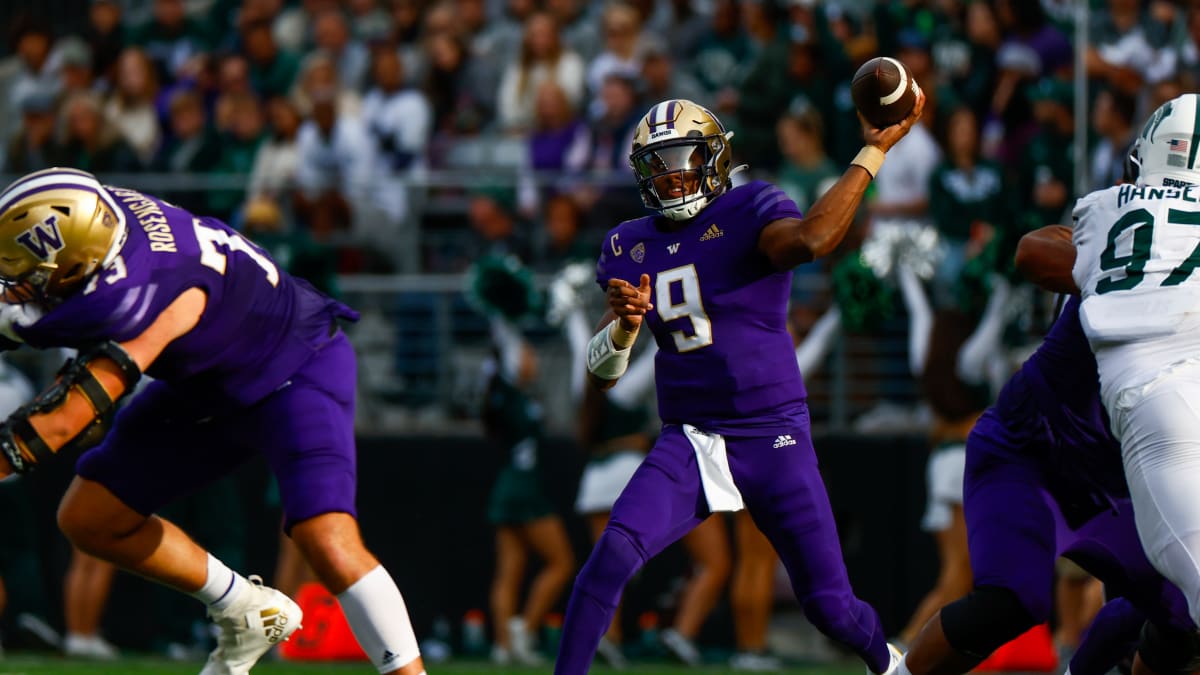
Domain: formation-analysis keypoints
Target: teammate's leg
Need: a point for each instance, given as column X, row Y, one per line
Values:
column 506, row 586
column 313, row 457
column 784, row 492
column 662, row 502
column 98, row 523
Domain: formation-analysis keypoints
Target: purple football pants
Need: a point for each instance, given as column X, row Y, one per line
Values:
column 1017, row 526
column 166, row 444
column 664, row 500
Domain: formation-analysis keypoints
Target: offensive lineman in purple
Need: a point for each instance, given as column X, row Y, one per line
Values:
column 1044, row 479
column 246, row 360
column 714, row 271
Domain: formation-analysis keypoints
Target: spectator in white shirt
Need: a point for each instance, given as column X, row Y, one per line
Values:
column 131, row 109
column 399, row 119
column 277, row 160
column 543, row 58
column 335, row 155
column 902, row 186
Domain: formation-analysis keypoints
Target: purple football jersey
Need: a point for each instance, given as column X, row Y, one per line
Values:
column 726, row 362
column 259, row 327
column 1064, row 386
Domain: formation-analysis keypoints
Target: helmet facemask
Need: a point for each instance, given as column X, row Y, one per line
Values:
column 679, row 177
column 1132, row 169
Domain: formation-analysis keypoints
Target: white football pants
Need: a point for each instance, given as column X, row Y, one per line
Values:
column 1158, row 425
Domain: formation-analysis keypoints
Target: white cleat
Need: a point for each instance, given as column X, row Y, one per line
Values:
column 260, row 619
column 896, row 660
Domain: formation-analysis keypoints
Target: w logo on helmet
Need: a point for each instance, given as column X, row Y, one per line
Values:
column 42, row 239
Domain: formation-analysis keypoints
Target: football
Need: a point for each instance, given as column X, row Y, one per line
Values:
column 884, row 91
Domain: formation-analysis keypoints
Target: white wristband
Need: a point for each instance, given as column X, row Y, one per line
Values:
column 604, row 360
column 869, row 158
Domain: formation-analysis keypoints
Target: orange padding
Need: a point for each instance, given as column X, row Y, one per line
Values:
column 1031, row 652
column 325, row 635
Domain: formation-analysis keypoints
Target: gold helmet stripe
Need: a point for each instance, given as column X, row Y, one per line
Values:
column 44, row 172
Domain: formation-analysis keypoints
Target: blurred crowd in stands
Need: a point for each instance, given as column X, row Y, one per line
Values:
column 359, row 124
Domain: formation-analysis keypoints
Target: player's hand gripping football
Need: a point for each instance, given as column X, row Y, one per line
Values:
column 886, row 137
column 630, row 303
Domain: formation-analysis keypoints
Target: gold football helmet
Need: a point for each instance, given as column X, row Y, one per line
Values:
column 57, row 228
column 681, row 158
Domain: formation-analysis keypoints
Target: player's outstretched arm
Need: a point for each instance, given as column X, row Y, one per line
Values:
column 1046, row 257
column 792, row 241
column 609, row 349
column 58, row 425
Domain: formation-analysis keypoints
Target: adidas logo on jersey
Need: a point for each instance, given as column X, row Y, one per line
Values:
column 711, row 233
column 784, row 441
column 388, row 656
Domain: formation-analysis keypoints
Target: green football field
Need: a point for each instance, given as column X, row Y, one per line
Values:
column 20, row 665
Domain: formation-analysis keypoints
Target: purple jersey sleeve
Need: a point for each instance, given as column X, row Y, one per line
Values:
column 118, row 304
column 769, row 203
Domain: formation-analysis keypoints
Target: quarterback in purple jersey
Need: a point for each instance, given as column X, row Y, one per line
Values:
column 713, row 274
column 1044, row 479
column 247, row 360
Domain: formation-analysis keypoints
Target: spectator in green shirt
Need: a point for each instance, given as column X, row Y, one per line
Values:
column 170, row 38
column 967, row 200
column 239, row 144
column 805, row 174
column 1046, row 172
column 806, row 171
column 192, row 147
column 272, row 70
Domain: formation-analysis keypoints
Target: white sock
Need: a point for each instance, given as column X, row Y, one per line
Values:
column 221, row 587
column 902, row 669
column 379, row 619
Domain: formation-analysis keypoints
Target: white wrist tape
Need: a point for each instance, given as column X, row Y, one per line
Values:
column 604, row 360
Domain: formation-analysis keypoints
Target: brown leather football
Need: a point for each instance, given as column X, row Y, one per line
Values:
column 884, row 91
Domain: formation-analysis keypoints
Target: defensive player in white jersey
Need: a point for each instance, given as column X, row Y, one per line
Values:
column 1137, row 247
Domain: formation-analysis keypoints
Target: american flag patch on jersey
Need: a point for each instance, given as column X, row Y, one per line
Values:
column 1176, row 145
